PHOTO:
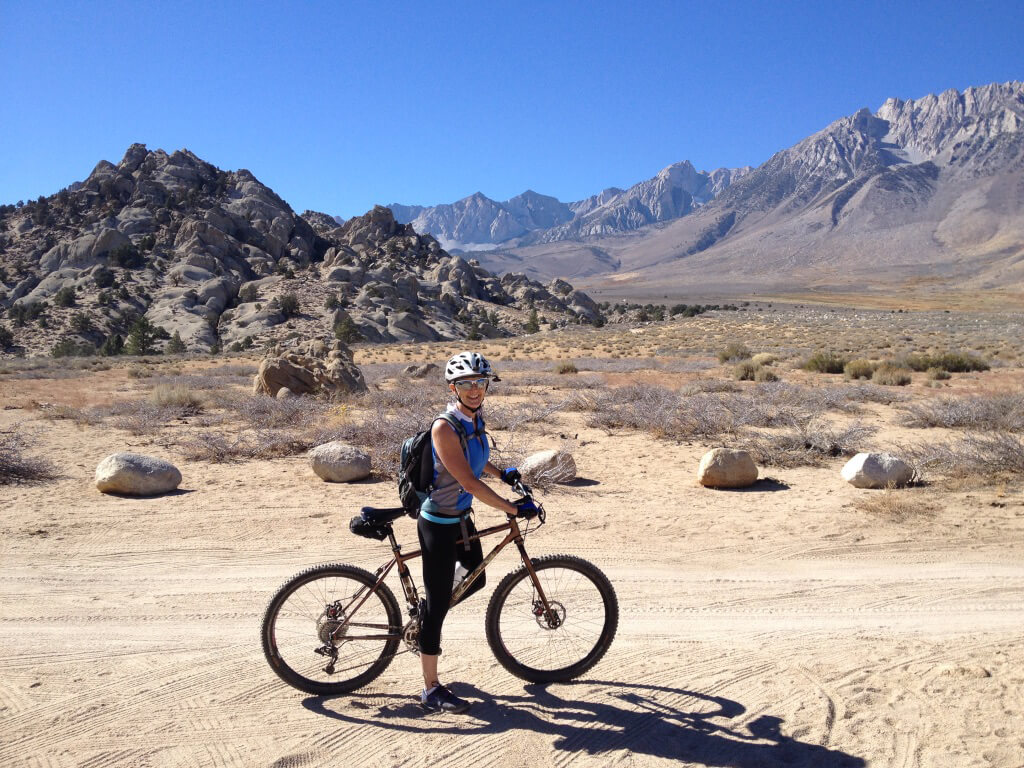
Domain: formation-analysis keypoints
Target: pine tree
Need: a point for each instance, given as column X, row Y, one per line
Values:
column 175, row 346
column 114, row 345
column 346, row 331
column 533, row 324
column 141, row 337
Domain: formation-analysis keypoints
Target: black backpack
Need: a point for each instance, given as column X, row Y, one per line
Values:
column 416, row 467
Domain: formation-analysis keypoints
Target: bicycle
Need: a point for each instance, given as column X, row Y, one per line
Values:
column 334, row 628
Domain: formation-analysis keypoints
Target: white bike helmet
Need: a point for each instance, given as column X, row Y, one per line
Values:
column 468, row 364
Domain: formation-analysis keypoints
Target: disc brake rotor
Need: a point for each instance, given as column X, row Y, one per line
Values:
column 549, row 620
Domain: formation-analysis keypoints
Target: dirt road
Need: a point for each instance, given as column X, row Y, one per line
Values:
column 777, row 626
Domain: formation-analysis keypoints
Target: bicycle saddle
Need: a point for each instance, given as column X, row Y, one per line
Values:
column 382, row 515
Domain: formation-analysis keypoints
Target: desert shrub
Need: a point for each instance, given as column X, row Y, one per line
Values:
column 65, row 297
column 248, row 293
column 661, row 412
column 127, row 256
column 745, row 371
column 81, row 323
column 266, row 413
column 938, row 374
column 807, row 444
column 763, row 374
column 15, row 465
column 859, row 369
column 288, row 303
column 177, row 396
column 6, row 337
column 84, row 416
column 764, row 358
column 986, row 457
column 825, row 361
column 1003, row 412
column 69, row 347
column 953, row 362
column 710, row 385
column 563, row 368
column 141, row 417
column 508, row 417
column 103, row 277
column 891, row 375
column 733, row 351
column 331, row 302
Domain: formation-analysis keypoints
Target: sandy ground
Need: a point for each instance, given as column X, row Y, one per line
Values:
column 777, row 626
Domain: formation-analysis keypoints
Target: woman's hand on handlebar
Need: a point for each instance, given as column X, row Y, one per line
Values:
column 527, row 508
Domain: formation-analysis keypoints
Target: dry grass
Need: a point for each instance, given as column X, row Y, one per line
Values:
column 899, row 505
column 178, row 397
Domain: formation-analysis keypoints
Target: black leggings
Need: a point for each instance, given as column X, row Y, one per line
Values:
column 440, row 551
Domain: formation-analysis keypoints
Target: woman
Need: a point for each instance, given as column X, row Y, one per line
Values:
column 445, row 515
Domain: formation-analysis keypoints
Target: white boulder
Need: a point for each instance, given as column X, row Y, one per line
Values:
column 726, row 468
column 136, row 475
column 338, row 462
column 553, row 466
column 876, row 470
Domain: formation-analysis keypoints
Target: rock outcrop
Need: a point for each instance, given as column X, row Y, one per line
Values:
column 218, row 258
column 136, row 475
column 315, row 368
column 421, row 370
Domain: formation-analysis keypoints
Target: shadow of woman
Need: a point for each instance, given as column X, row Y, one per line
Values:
column 664, row 722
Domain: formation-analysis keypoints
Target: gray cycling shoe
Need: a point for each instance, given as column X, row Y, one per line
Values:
column 440, row 699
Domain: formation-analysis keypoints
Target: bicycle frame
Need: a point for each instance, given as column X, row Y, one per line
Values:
column 409, row 586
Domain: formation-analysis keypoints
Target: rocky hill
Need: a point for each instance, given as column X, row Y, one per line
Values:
column 920, row 190
column 216, row 259
column 479, row 223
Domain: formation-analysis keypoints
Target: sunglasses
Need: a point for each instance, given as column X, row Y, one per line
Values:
column 472, row 383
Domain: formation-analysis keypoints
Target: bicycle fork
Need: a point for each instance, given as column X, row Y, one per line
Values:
column 543, row 610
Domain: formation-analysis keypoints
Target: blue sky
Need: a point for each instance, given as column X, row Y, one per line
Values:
column 340, row 105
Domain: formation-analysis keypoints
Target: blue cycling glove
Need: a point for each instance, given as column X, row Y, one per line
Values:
column 511, row 476
column 527, row 509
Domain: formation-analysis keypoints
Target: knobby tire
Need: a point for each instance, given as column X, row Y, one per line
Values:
column 290, row 636
column 527, row 648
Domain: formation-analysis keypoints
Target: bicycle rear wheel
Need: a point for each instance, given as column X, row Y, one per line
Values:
column 564, row 644
column 317, row 636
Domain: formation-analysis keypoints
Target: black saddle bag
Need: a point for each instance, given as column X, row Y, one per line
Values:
column 368, row 530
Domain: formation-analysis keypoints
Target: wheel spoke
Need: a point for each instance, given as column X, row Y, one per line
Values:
column 525, row 643
column 298, row 624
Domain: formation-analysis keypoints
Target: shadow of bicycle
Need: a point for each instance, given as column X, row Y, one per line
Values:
column 655, row 720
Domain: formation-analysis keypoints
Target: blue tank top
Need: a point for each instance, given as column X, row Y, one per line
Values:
column 448, row 498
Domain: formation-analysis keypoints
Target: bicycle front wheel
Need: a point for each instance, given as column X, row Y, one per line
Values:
column 325, row 632
column 557, row 645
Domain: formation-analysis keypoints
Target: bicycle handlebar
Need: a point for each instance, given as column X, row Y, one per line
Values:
column 527, row 495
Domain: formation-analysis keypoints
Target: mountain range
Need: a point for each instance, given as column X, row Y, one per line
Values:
column 924, row 194
column 921, row 196
column 480, row 223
